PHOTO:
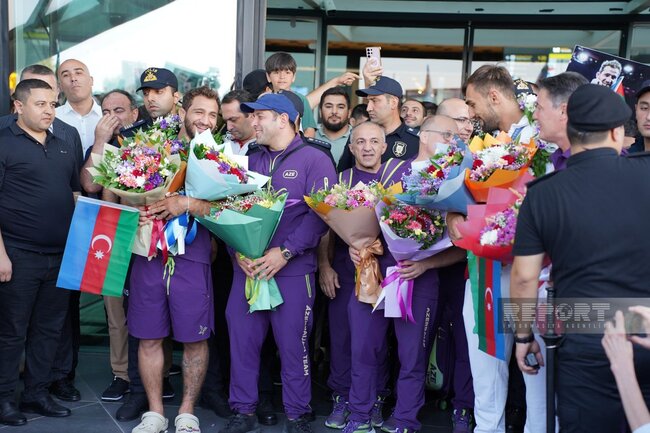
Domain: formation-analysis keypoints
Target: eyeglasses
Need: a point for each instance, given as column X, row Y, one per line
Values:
column 463, row 119
column 447, row 135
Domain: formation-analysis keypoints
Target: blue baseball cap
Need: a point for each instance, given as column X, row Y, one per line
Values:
column 383, row 85
column 271, row 101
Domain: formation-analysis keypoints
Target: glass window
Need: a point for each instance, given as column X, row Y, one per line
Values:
column 640, row 49
column 118, row 40
column 534, row 54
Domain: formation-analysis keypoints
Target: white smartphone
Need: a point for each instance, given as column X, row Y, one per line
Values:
column 373, row 54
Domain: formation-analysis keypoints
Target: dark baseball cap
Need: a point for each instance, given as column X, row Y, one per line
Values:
column 255, row 82
column 271, row 101
column 593, row 108
column 295, row 100
column 157, row 78
column 382, row 86
column 645, row 87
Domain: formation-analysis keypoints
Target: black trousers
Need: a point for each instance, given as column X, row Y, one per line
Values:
column 67, row 353
column 587, row 397
column 33, row 313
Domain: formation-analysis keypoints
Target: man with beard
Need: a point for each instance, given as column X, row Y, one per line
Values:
column 413, row 113
column 185, row 308
column 335, row 114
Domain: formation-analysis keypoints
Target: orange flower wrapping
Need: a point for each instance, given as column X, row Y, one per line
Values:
column 368, row 275
column 500, row 178
column 179, row 178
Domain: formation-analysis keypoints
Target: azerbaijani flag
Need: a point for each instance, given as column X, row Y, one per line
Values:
column 98, row 249
column 485, row 278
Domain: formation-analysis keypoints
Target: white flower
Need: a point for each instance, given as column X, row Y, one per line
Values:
column 165, row 172
column 140, row 180
column 492, row 155
column 530, row 102
column 489, row 237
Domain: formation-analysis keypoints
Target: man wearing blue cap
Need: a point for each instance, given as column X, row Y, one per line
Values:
column 589, row 224
column 299, row 166
column 384, row 98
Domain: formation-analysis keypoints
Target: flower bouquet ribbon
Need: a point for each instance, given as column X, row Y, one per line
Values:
column 489, row 230
column 141, row 172
column 498, row 162
column 247, row 224
column 411, row 233
column 440, row 184
column 349, row 212
column 213, row 175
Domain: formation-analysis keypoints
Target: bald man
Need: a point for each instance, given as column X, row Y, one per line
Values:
column 458, row 110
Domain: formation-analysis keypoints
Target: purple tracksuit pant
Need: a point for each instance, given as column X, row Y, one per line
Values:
column 291, row 323
column 452, row 296
column 368, row 336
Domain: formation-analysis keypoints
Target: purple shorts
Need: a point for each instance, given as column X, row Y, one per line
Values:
column 186, row 313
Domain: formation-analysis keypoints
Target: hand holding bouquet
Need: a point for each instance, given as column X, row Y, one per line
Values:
column 350, row 213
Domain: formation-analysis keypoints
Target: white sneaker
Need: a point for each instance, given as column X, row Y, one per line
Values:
column 187, row 423
column 152, row 422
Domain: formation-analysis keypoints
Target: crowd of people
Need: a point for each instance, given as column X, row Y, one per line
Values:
column 588, row 216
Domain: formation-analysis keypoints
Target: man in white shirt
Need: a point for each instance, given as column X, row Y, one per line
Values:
column 80, row 109
column 240, row 129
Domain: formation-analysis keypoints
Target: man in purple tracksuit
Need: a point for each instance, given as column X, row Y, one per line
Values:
column 367, row 144
column 298, row 166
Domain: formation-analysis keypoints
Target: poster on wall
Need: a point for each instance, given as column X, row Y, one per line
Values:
column 624, row 76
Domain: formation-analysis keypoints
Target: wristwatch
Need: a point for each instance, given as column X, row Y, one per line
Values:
column 525, row 340
column 288, row 255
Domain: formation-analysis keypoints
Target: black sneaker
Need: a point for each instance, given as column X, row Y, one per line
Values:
column 116, row 390
column 217, row 402
column 240, row 423
column 168, row 389
column 175, row 370
column 135, row 404
column 265, row 411
column 298, row 425
column 64, row 389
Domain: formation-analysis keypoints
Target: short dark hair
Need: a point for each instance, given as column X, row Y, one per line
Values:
column 424, row 109
column 431, row 108
column 280, row 62
column 205, row 91
column 337, row 90
column 24, row 88
column 561, row 86
column 130, row 97
column 488, row 76
column 577, row 137
column 237, row 95
column 359, row 111
column 36, row 70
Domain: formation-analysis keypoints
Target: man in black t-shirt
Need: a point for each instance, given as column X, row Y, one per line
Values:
column 589, row 221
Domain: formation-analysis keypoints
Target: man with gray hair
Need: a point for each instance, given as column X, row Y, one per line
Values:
column 551, row 114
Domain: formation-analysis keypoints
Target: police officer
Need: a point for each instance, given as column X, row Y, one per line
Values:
column 590, row 223
column 383, row 107
column 299, row 166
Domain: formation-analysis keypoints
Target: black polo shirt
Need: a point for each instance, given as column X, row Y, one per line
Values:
column 36, row 186
column 403, row 143
column 591, row 218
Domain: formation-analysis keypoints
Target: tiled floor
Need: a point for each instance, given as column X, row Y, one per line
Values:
column 91, row 415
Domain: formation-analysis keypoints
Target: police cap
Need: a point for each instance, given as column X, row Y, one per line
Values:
column 157, row 78
column 382, row 86
column 593, row 108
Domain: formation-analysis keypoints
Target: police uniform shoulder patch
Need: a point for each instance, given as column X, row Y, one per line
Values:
column 413, row 131
column 638, row 155
column 130, row 130
column 317, row 143
column 253, row 148
column 543, row 178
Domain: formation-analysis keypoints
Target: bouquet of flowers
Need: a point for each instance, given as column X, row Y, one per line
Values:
column 411, row 233
column 247, row 224
column 140, row 172
column 498, row 162
column 489, row 230
column 350, row 212
column 440, row 184
column 213, row 175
